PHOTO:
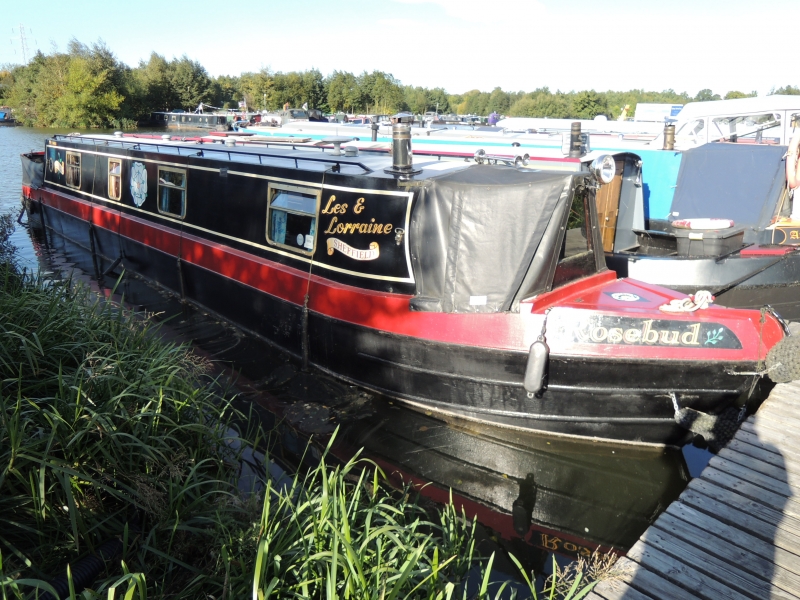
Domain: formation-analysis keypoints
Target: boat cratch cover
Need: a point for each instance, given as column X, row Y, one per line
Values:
column 468, row 255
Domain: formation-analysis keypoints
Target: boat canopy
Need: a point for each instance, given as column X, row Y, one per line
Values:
column 741, row 182
column 474, row 234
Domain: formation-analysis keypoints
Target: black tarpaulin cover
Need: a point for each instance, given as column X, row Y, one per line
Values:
column 474, row 233
column 32, row 170
column 742, row 182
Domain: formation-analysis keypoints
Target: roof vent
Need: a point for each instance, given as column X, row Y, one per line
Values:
column 229, row 141
column 117, row 134
column 350, row 151
column 166, row 137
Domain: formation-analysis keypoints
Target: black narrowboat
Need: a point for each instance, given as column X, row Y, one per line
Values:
column 185, row 120
column 458, row 288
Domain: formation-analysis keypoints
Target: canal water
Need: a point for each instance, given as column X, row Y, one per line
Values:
column 534, row 495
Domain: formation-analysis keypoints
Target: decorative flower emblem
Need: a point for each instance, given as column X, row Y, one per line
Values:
column 138, row 183
column 714, row 336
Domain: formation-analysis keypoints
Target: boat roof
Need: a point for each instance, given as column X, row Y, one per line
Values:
column 231, row 150
column 311, row 156
column 739, row 106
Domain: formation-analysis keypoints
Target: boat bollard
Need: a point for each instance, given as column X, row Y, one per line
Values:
column 537, row 367
column 575, row 150
column 669, row 137
column 374, row 131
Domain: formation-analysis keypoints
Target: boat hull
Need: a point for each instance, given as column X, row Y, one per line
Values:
column 625, row 399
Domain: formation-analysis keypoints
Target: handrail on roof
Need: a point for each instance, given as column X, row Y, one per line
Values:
column 133, row 143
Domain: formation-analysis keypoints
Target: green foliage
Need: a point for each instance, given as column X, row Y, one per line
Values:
column 733, row 94
column 105, row 431
column 88, row 87
column 789, row 90
column 588, row 105
column 79, row 88
column 705, row 95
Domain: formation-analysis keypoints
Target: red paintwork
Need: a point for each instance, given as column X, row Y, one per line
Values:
column 767, row 251
column 391, row 313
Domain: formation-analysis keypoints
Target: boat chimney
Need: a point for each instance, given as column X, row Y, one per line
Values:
column 375, row 131
column 575, row 140
column 402, row 157
column 669, row 137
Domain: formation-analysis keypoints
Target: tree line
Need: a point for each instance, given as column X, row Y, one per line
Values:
column 87, row 86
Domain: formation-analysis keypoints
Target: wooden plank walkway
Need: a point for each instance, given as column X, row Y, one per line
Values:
column 735, row 530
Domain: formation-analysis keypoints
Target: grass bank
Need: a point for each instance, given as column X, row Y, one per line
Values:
column 114, row 445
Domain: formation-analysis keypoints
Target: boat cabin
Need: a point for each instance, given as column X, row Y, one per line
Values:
column 348, row 218
column 184, row 120
column 761, row 120
column 736, row 192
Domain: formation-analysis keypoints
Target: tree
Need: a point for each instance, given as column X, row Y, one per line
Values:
column 499, row 101
column 733, row 94
column 153, row 85
column 344, row 93
column 788, row 90
column 588, row 105
column 190, row 82
column 257, row 90
column 706, row 95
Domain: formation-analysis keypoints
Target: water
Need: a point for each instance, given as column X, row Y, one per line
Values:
column 534, row 495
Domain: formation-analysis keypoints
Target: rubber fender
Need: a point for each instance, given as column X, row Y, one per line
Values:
column 783, row 360
column 537, row 367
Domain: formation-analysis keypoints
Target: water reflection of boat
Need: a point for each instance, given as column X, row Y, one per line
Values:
column 560, row 495
column 430, row 283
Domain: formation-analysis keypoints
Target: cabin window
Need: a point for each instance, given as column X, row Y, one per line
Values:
column 73, row 169
column 114, row 178
column 692, row 132
column 172, row 192
column 758, row 129
column 292, row 217
column 173, row 117
column 577, row 258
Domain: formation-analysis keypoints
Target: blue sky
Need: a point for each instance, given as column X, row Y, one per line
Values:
column 456, row 44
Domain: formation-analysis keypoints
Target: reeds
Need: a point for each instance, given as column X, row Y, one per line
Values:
column 106, row 431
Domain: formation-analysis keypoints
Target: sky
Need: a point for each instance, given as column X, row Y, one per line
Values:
column 460, row 45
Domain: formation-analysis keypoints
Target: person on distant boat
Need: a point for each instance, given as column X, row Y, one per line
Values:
column 792, row 176
column 286, row 106
column 305, row 105
column 199, row 108
column 493, row 118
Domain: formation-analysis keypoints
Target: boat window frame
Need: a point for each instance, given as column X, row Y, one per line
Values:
column 119, row 177
column 309, row 191
column 67, row 171
column 173, row 117
column 185, row 187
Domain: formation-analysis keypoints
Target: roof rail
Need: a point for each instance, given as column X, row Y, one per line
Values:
column 200, row 150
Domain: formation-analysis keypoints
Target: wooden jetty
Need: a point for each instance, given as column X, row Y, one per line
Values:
column 735, row 530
